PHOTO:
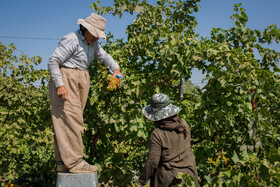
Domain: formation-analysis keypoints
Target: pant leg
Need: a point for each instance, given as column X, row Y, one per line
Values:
column 84, row 85
column 67, row 116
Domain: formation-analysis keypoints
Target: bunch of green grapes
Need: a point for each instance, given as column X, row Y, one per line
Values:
column 114, row 83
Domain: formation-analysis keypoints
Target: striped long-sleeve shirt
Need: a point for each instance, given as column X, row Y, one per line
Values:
column 73, row 51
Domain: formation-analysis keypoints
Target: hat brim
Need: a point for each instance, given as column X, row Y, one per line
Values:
column 94, row 31
column 162, row 113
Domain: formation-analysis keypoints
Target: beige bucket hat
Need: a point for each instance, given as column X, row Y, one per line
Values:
column 95, row 24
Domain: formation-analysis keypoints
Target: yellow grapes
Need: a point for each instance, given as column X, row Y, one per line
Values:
column 218, row 159
column 114, row 83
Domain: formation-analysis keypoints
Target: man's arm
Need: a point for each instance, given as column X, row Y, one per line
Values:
column 107, row 60
column 62, row 52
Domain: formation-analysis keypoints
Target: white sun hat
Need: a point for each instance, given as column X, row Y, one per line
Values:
column 95, row 24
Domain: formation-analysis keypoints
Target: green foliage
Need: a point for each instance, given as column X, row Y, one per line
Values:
column 185, row 180
column 234, row 118
column 151, row 61
column 25, row 128
column 237, row 110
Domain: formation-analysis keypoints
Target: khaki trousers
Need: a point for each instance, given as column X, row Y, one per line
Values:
column 67, row 116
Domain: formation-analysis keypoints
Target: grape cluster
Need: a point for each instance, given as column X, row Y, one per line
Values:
column 114, row 83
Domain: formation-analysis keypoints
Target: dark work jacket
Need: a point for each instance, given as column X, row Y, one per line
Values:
column 169, row 153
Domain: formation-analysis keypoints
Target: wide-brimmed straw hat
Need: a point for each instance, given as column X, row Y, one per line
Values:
column 160, row 108
column 95, row 24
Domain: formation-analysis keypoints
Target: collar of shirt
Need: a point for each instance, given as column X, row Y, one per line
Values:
column 81, row 36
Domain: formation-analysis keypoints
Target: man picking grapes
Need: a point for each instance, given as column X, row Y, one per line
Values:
column 69, row 87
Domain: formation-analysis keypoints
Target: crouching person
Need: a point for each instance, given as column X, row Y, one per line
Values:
column 170, row 145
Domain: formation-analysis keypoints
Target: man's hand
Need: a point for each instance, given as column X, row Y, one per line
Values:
column 62, row 92
column 117, row 72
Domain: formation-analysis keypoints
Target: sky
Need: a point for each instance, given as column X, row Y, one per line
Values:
column 35, row 26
